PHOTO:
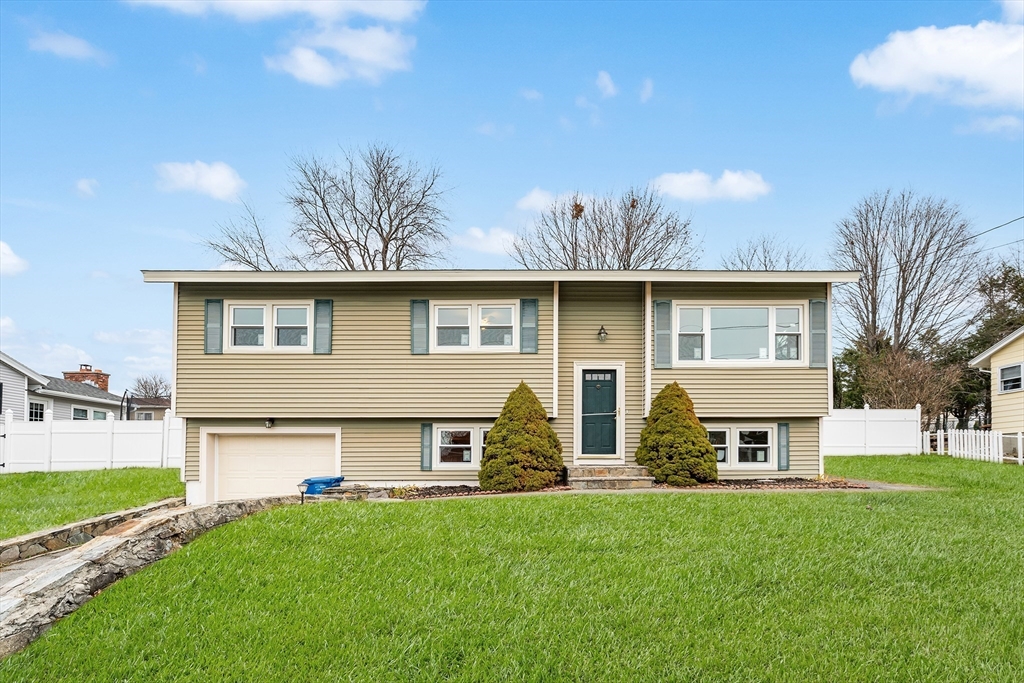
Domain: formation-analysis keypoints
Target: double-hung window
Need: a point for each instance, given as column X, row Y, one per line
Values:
column 254, row 327
column 1010, row 378
column 459, row 446
column 744, row 335
column 475, row 327
column 744, row 446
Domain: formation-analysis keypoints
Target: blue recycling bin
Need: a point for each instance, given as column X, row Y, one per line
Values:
column 316, row 485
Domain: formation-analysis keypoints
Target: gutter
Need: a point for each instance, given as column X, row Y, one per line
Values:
column 78, row 397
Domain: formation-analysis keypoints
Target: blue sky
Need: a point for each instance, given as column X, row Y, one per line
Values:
column 129, row 130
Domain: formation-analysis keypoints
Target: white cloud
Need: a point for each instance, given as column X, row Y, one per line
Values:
column 697, row 186
column 331, row 52
column 1007, row 124
column 7, row 327
column 86, row 187
column 68, row 46
column 606, row 85
column 11, row 263
column 646, row 90
column 535, row 200
column 495, row 131
column 323, row 10
column 155, row 339
column 975, row 66
column 493, row 241
column 217, row 180
column 1013, row 11
column 50, row 359
column 531, row 94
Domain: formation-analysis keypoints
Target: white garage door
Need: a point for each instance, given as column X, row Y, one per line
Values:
column 251, row 466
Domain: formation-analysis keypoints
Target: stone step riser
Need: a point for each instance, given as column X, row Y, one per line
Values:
column 607, row 471
column 610, row 484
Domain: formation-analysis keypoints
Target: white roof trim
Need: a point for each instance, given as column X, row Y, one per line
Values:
column 24, row 369
column 81, row 398
column 355, row 276
column 981, row 361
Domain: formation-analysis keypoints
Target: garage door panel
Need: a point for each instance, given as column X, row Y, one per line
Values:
column 251, row 465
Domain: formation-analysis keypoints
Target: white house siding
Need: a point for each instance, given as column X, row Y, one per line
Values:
column 15, row 387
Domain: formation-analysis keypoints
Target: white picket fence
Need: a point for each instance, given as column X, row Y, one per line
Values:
column 868, row 431
column 64, row 445
column 973, row 444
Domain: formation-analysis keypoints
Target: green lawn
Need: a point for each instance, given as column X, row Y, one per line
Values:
column 822, row 586
column 38, row 500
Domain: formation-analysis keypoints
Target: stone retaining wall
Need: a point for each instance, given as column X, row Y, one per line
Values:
column 39, row 542
column 30, row 604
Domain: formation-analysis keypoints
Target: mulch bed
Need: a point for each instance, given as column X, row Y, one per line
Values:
column 457, row 491
column 786, row 483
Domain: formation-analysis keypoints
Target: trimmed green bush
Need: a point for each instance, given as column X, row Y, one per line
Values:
column 674, row 446
column 523, row 453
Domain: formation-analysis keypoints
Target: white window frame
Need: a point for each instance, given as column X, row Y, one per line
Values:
column 728, row 441
column 88, row 413
column 707, row 361
column 475, row 326
column 139, row 415
column 999, row 379
column 46, row 403
column 476, row 445
column 93, row 411
column 269, row 325
column 732, row 462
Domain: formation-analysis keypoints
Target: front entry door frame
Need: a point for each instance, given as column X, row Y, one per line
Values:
column 577, row 402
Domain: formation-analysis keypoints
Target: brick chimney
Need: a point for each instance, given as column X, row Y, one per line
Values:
column 86, row 375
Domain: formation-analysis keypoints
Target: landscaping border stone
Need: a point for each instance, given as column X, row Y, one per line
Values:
column 31, row 603
column 56, row 538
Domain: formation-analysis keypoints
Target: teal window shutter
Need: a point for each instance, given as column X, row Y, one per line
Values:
column 528, row 325
column 426, row 446
column 819, row 333
column 213, row 336
column 783, row 446
column 323, row 319
column 662, row 334
column 419, row 315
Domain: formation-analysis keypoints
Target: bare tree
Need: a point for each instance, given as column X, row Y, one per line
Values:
column 243, row 242
column 151, row 386
column 370, row 210
column 631, row 232
column 919, row 267
column 765, row 252
column 904, row 379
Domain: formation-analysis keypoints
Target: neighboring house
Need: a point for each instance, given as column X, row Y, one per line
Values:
column 1005, row 361
column 394, row 377
column 29, row 394
column 149, row 408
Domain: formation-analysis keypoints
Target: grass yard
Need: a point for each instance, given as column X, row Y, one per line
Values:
column 718, row 587
column 38, row 500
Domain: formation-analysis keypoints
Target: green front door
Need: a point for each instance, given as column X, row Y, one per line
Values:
column 598, row 412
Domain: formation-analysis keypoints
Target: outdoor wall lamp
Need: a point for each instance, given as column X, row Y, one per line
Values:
column 269, row 422
column 602, row 334
column 302, row 488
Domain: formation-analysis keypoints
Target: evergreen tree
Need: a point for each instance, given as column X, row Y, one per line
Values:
column 523, row 452
column 674, row 446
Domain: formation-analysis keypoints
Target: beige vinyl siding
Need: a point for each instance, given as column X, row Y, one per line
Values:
column 750, row 391
column 803, row 448
column 1007, row 408
column 583, row 308
column 371, row 450
column 371, row 372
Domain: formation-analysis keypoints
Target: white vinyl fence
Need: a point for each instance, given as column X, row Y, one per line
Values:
column 866, row 431
column 62, row 445
column 973, row 444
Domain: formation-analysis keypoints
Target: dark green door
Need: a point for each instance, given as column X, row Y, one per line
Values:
column 598, row 412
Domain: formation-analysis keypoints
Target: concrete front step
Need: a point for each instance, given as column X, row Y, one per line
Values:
column 610, row 483
column 581, row 471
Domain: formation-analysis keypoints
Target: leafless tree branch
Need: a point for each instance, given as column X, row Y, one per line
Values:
column 631, row 232
column 243, row 242
column 765, row 252
column 151, row 386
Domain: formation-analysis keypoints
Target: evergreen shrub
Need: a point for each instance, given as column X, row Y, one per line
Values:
column 523, row 452
column 674, row 446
